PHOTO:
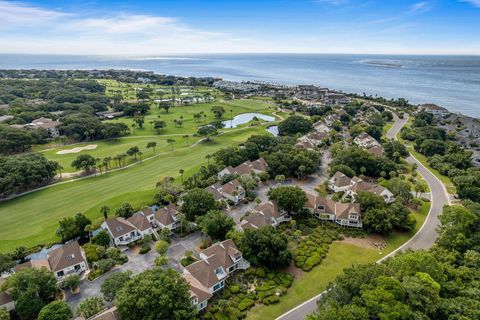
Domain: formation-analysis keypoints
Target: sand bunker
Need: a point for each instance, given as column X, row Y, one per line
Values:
column 78, row 149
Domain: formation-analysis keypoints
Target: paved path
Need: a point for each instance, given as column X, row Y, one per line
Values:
column 423, row 239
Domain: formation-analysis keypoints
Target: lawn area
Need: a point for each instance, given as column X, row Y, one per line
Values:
column 340, row 256
column 32, row 219
column 141, row 136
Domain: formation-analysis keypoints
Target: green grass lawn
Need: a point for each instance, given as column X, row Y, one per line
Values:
column 32, row 219
column 141, row 136
column 340, row 256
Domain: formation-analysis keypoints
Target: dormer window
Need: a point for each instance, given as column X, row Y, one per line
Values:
column 353, row 217
column 321, row 207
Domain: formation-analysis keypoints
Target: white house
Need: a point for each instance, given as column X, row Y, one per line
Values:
column 67, row 260
column 233, row 191
column 344, row 214
column 265, row 214
column 122, row 232
column 362, row 186
column 209, row 274
column 141, row 223
column 339, row 182
column 167, row 217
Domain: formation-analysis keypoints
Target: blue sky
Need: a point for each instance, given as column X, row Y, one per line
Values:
column 146, row 27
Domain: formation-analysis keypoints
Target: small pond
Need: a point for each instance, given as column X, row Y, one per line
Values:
column 246, row 117
column 273, row 130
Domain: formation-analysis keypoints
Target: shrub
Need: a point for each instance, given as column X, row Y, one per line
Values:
column 271, row 299
column 104, row 265
column 72, row 282
column 245, row 304
column 234, row 289
column 145, row 248
column 161, row 246
column 161, row 260
column 116, row 255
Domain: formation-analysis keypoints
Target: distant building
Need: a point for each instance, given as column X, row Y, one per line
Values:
column 265, row 214
column 47, row 124
column 434, row 109
column 343, row 214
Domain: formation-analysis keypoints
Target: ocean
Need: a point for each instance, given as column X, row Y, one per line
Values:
column 450, row 81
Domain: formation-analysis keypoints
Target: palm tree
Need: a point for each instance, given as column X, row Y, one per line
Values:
column 153, row 145
column 208, row 157
column 186, row 137
column 171, row 142
column 181, row 171
column 88, row 229
column 140, row 153
column 105, row 210
column 59, row 169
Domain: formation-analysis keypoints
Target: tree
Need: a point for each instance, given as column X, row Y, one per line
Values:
column 155, row 294
column 161, row 246
column 216, row 224
column 197, row 202
column 153, row 145
column 133, row 151
column 218, row 111
column 113, row 284
column 208, row 132
column 4, row 314
column 420, row 187
column 73, row 227
column 248, row 183
column 104, row 210
column 346, row 170
column 292, row 199
column 85, row 162
column 56, row 310
column 102, row 239
column 293, row 125
column 171, row 142
column 266, row 246
column 72, row 282
column 165, row 105
column 125, row 211
column 159, row 125
column 6, row 262
column 31, row 289
column 90, row 307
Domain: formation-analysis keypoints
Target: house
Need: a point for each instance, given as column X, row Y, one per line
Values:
column 108, row 115
column 233, row 191
column 320, row 127
column 310, row 92
column 245, row 168
column 167, row 217
column 209, row 274
column 67, row 260
column 434, row 109
column 366, row 141
column 344, row 214
column 358, row 185
column 122, row 232
column 214, row 191
column 265, row 214
column 376, row 151
column 47, row 124
column 109, row 314
column 149, row 213
column 141, row 223
column 336, row 99
column 339, row 182
column 33, row 264
column 305, row 144
column 199, row 294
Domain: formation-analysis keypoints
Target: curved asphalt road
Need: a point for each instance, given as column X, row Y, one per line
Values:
column 423, row 239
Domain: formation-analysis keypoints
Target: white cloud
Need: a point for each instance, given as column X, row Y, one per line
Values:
column 420, row 7
column 475, row 3
column 17, row 13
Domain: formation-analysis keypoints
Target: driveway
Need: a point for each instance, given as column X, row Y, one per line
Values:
column 137, row 263
column 423, row 239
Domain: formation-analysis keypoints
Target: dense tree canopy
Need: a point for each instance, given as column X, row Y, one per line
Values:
column 31, row 289
column 196, row 202
column 56, row 310
column 294, row 124
column 113, row 284
column 155, row 294
column 216, row 224
column 23, row 172
column 437, row 284
column 266, row 246
column 292, row 199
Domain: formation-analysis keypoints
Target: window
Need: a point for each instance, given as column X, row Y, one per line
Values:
column 121, row 238
column 218, row 286
column 77, row 267
column 60, row 273
column 352, row 217
column 321, row 207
